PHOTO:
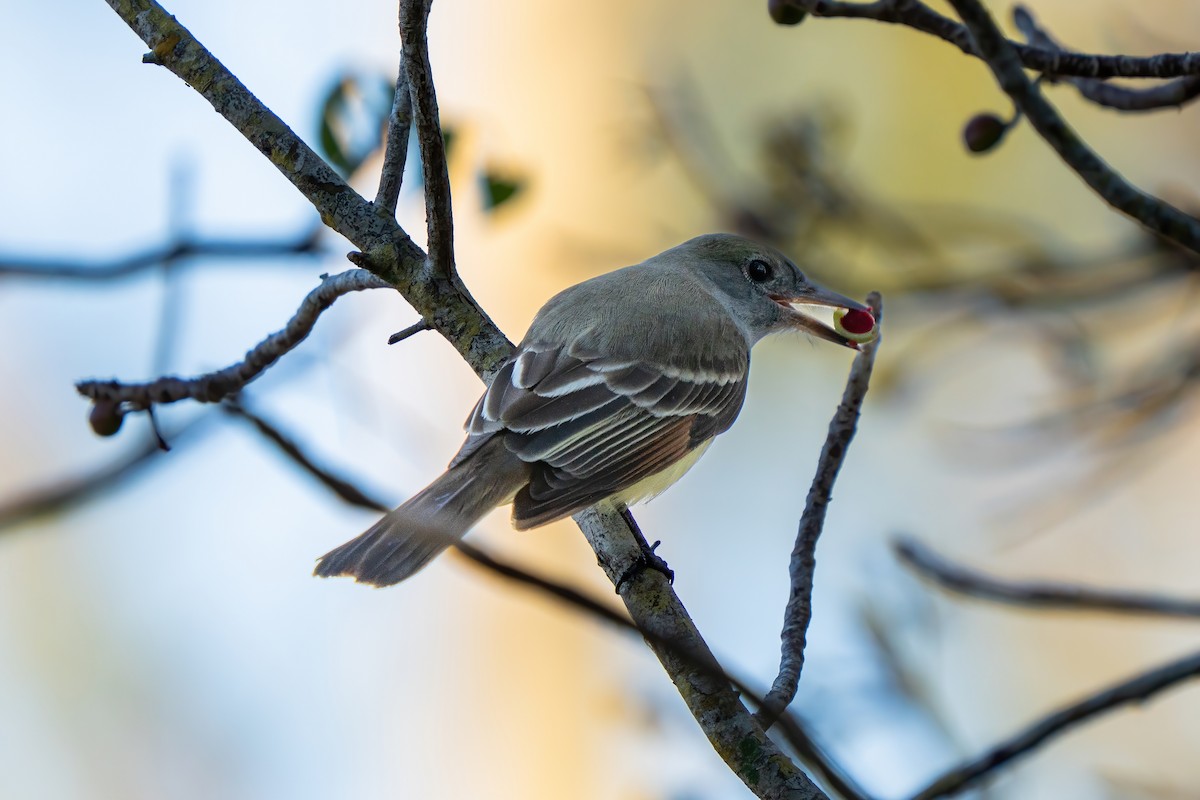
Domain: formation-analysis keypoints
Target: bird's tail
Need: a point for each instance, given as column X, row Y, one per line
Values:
column 411, row 536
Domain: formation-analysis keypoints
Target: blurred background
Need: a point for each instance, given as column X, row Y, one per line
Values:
column 1032, row 412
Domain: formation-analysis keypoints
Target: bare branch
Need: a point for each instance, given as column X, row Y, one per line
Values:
column 347, row 491
column 439, row 220
column 73, row 492
column 172, row 253
column 798, row 613
column 1123, row 98
column 1134, row 690
column 658, row 612
column 917, row 15
column 794, row 731
column 214, row 386
column 956, row 578
column 395, row 151
column 386, row 249
column 174, row 47
column 1002, row 58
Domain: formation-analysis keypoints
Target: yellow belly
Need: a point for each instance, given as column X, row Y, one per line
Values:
column 652, row 485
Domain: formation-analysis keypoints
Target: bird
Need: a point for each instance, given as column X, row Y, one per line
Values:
column 618, row 387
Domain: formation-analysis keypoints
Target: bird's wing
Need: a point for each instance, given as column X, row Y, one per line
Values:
column 593, row 426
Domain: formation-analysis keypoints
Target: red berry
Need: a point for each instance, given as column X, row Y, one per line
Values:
column 858, row 321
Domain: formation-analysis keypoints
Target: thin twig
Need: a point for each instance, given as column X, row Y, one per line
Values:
column 798, row 612
column 395, row 151
column 1002, row 58
column 73, row 492
column 1123, row 98
column 411, row 330
column 439, row 219
column 347, row 491
column 918, row 16
column 173, row 253
column 214, row 386
column 973, row 583
column 1134, row 690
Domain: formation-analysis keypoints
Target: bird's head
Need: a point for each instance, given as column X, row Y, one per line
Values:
column 763, row 289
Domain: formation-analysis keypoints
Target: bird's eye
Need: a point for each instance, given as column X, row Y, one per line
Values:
column 759, row 271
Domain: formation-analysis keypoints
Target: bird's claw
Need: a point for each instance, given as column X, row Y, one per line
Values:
column 647, row 560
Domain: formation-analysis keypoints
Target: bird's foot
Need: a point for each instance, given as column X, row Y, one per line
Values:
column 647, row 560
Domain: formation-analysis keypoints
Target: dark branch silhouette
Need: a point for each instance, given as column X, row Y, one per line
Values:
column 174, row 252
column 1055, row 62
column 1134, row 690
column 1035, row 594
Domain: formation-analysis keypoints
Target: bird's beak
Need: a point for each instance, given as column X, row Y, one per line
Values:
column 818, row 296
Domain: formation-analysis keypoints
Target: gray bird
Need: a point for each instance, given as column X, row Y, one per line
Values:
column 617, row 389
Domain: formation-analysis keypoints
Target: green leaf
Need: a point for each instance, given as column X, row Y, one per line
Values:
column 498, row 189
column 354, row 115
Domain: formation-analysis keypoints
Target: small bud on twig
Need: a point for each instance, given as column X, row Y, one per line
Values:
column 784, row 13
column 105, row 417
column 984, row 131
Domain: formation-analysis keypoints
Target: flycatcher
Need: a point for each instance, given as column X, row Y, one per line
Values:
column 618, row 387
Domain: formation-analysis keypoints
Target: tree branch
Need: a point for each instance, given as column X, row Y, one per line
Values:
column 798, row 612
column 1173, row 93
column 1003, row 60
column 955, row 578
column 1134, row 690
column 214, row 386
column 385, row 248
column 1057, row 63
column 395, row 150
column 794, row 731
column 673, row 637
column 185, row 248
column 439, row 219
column 348, row 492
column 72, row 492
